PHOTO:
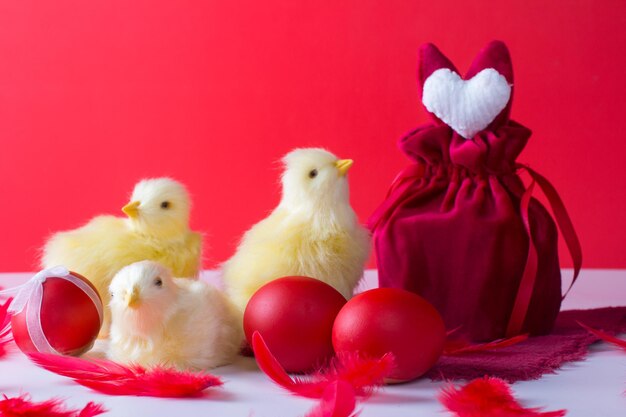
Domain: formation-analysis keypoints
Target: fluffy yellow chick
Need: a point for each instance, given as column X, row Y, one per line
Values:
column 313, row 231
column 160, row 320
column 157, row 228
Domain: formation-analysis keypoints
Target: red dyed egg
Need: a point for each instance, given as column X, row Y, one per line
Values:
column 68, row 321
column 392, row 320
column 295, row 316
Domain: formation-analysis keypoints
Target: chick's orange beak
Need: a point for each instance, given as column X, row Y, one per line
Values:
column 343, row 165
column 132, row 209
column 132, row 298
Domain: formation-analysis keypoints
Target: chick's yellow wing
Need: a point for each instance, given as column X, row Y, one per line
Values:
column 91, row 250
column 267, row 251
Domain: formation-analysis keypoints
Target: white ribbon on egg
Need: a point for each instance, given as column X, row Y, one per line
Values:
column 30, row 296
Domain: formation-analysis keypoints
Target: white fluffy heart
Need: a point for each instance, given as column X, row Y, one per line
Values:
column 467, row 106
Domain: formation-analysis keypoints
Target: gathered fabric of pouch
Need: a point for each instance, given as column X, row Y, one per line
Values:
column 458, row 226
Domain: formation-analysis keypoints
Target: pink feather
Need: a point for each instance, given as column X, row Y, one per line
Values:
column 488, row 397
column 460, row 346
column 112, row 378
column 338, row 400
column 22, row 406
column 363, row 375
column 5, row 327
column 621, row 343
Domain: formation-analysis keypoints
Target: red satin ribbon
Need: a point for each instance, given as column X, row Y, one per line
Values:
column 529, row 276
column 527, row 283
column 563, row 221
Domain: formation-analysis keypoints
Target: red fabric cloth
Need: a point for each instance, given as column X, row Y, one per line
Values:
column 538, row 355
column 451, row 228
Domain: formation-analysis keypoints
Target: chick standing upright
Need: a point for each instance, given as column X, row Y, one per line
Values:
column 157, row 228
column 160, row 320
column 312, row 232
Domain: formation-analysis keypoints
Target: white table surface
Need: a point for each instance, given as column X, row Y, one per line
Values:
column 591, row 388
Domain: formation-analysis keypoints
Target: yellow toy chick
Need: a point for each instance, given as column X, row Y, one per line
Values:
column 157, row 228
column 313, row 232
column 160, row 320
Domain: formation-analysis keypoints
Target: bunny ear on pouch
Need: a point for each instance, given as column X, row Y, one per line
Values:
column 482, row 100
column 430, row 60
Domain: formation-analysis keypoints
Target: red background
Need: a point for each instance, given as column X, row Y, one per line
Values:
column 95, row 95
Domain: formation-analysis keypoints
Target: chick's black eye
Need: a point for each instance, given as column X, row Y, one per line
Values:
column 165, row 205
column 158, row 282
column 313, row 173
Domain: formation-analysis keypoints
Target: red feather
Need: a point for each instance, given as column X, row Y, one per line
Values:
column 22, row 406
column 488, row 397
column 621, row 343
column 460, row 346
column 339, row 400
column 114, row 379
column 5, row 327
column 363, row 375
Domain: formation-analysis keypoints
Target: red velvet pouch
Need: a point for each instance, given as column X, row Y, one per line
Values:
column 455, row 224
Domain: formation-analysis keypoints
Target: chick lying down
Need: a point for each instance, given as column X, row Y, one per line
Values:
column 161, row 320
